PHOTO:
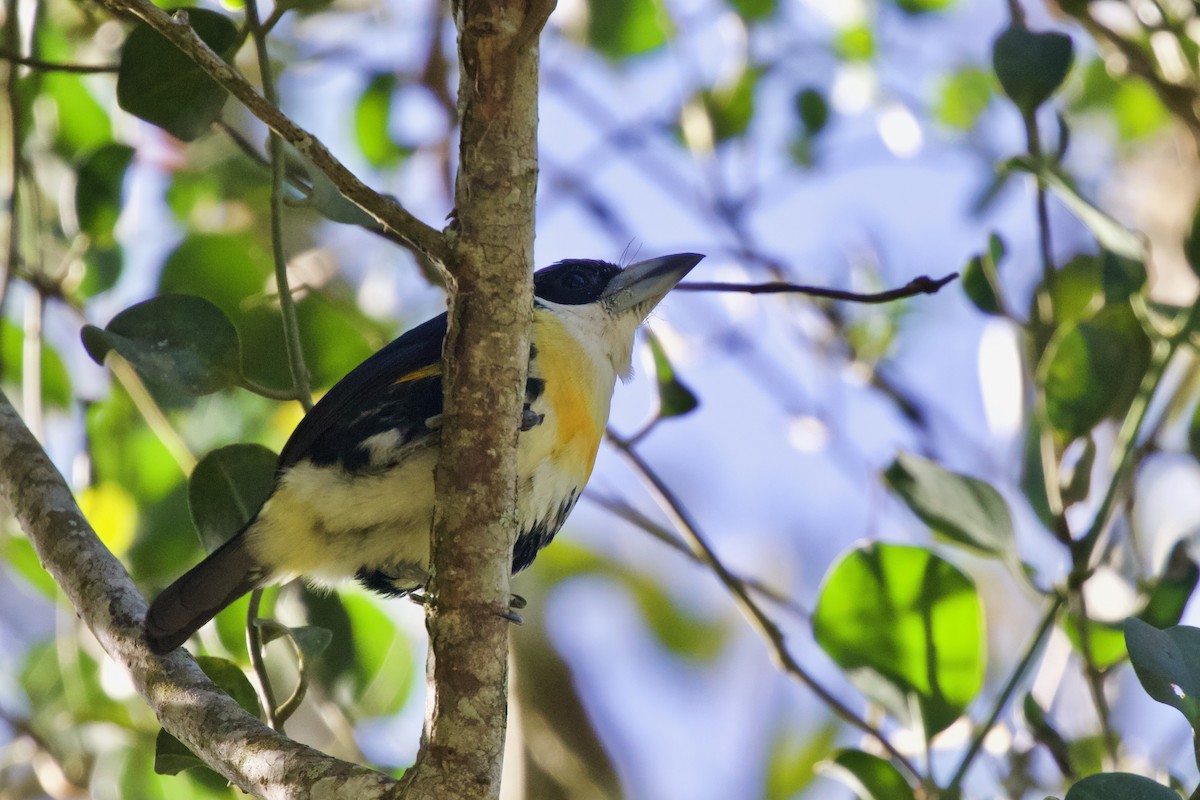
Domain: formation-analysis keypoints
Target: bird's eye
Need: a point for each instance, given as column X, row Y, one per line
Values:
column 575, row 279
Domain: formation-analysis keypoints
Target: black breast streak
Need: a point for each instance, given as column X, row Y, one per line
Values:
column 529, row 542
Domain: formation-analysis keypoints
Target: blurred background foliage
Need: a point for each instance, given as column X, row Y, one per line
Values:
column 968, row 520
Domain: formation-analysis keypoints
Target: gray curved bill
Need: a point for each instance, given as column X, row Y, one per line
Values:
column 640, row 286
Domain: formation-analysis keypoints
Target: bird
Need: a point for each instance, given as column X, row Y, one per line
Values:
column 352, row 495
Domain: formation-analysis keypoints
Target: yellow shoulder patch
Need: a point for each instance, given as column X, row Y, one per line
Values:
column 427, row 371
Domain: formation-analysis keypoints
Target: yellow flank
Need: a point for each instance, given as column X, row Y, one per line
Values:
column 579, row 406
column 427, row 371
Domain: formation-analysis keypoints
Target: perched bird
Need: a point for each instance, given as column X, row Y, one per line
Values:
column 353, row 490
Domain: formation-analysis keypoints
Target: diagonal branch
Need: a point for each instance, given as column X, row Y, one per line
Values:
column 176, row 29
column 206, row 719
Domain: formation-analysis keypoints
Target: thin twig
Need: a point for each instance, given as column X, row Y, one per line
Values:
column 631, row 515
column 757, row 617
column 12, row 57
column 920, row 285
column 31, row 363
column 254, row 646
column 175, row 28
column 1006, row 693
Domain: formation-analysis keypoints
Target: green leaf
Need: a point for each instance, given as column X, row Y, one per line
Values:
column 1105, row 640
column 1191, row 243
column 1167, row 663
column 172, row 756
column 916, row 7
column 82, row 123
column 1031, row 66
column 371, row 117
column 962, row 509
column 685, row 634
column 793, row 761
column 1046, row 734
column 383, row 668
column 161, row 85
column 981, row 280
column 1173, row 589
column 868, row 776
column 1111, row 234
column 855, row 43
column 619, row 29
column 1092, row 369
column 754, row 10
column 183, row 342
column 227, row 488
column 326, row 198
column 964, row 96
column 731, row 108
column 813, row 110
column 1077, row 482
column 102, row 270
column 1119, row 786
column 56, row 381
column 1138, row 110
column 907, row 627
column 233, row 682
column 674, row 397
column 98, row 192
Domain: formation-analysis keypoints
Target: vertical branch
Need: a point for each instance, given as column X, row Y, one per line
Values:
column 31, row 363
column 291, row 328
column 485, row 362
column 12, row 44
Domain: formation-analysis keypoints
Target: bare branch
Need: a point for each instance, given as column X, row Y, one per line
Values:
column 54, row 66
column 752, row 610
column 176, row 29
column 920, row 285
column 187, row 703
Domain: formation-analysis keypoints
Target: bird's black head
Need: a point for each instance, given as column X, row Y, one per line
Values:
column 574, row 282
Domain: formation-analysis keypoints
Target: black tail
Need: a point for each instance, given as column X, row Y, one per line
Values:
column 224, row 576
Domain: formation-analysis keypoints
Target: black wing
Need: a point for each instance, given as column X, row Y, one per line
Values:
column 373, row 399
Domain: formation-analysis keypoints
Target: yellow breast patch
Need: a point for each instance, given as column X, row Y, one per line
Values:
column 579, row 407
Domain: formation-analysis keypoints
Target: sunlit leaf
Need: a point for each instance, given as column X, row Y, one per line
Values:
column 962, row 509
column 915, row 7
column 227, row 488
column 98, row 191
column 1137, row 110
column 1119, row 786
column 81, row 123
column 1105, row 640
column 907, row 627
column 371, row 118
column 1167, row 663
column 112, row 512
column 622, row 28
column 1031, row 65
column 868, row 776
column 855, row 43
column 183, row 342
column 383, row 667
column 793, row 760
column 964, row 96
column 161, row 85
